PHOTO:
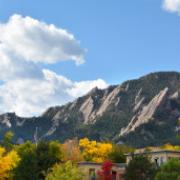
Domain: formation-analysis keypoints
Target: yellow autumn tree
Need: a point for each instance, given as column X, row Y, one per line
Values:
column 170, row 147
column 8, row 161
column 95, row 151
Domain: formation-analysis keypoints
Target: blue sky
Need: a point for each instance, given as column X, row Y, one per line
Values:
column 124, row 39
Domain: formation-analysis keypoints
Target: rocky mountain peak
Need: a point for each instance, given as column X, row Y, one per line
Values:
column 138, row 112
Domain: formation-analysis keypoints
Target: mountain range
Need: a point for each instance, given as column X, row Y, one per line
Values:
column 141, row 112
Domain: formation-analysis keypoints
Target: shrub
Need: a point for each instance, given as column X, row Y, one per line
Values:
column 169, row 171
column 66, row 171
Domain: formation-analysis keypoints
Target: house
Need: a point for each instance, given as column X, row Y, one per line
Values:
column 158, row 156
column 91, row 169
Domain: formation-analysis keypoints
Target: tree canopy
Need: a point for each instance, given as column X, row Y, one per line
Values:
column 35, row 161
column 8, row 161
column 66, row 171
column 140, row 168
column 95, row 151
column 169, row 171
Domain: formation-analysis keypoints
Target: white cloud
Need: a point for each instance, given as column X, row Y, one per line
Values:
column 24, row 42
column 172, row 5
column 12, row 68
column 27, row 89
column 86, row 86
column 37, row 41
column 32, row 96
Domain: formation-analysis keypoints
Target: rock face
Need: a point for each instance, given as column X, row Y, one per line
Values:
column 147, row 112
column 108, row 100
column 87, row 110
column 138, row 112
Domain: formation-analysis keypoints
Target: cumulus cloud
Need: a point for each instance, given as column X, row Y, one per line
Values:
column 25, row 42
column 12, row 67
column 172, row 5
column 27, row 89
column 32, row 96
column 36, row 41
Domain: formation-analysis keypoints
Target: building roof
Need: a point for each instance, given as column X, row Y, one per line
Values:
column 154, row 152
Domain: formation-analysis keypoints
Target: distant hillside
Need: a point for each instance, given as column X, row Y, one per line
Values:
column 138, row 112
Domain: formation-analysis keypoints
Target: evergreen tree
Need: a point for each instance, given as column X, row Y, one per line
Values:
column 140, row 168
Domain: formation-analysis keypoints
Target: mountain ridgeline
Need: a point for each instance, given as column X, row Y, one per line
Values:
column 142, row 112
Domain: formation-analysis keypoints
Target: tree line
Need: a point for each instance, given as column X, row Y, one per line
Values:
column 58, row 161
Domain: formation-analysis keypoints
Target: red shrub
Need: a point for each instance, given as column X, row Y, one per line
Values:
column 106, row 171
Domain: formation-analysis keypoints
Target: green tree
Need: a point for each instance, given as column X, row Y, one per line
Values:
column 140, row 168
column 169, row 171
column 28, row 165
column 66, row 171
column 35, row 161
column 48, row 154
column 117, row 154
column 7, row 141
